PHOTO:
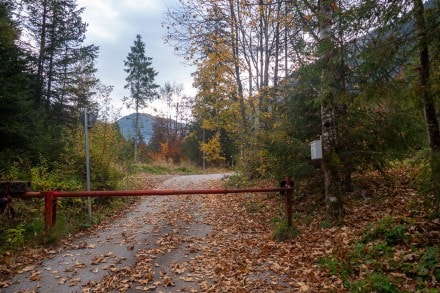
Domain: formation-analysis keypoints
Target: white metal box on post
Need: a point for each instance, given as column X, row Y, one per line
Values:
column 316, row 149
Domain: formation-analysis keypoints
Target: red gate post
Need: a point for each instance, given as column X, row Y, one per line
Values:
column 288, row 200
column 54, row 210
column 48, row 210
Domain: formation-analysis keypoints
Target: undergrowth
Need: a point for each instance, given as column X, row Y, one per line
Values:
column 388, row 254
column 28, row 228
column 282, row 231
column 394, row 243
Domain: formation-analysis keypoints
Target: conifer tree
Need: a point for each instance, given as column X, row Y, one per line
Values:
column 140, row 82
column 56, row 34
column 15, row 101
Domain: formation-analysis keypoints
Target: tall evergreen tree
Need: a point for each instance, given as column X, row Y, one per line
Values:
column 140, row 82
column 15, row 103
column 56, row 34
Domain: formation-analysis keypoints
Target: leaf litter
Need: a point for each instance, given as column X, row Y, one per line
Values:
column 239, row 253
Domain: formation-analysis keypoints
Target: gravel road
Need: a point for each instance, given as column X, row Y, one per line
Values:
column 144, row 250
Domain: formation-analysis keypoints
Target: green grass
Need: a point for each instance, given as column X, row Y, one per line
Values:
column 376, row 263
column 27, row 229
column 375, row 282
column 253, row 206
column 388, row 229
column 282, row 232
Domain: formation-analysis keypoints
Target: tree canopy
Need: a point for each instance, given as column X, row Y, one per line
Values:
column 290, row 72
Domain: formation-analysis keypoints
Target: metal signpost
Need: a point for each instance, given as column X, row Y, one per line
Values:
column 88, row 120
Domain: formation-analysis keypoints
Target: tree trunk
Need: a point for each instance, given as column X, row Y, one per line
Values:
column 424, row 75
column 279, row 18
column 41, row 54
column 331, row 162
column 51, row 53
column 136, row 133
column 235, row 47
column 429, row 106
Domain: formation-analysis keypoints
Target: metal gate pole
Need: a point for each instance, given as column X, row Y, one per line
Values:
column 50, row 197
column 48, row 210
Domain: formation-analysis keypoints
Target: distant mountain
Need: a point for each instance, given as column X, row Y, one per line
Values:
column 126, row 126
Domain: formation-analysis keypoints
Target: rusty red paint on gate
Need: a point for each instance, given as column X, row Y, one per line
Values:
column 50, row 197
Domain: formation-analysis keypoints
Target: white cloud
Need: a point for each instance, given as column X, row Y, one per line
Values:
column 104, row 21
column 108, row 19
column 113, row 26
column 152, row 6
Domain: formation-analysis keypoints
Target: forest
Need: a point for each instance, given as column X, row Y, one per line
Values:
column 362, row 77
column 271, row 77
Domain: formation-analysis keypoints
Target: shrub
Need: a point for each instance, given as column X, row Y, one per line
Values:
column 282, row 232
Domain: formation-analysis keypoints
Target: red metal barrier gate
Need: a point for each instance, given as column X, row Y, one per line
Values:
column 50, row 197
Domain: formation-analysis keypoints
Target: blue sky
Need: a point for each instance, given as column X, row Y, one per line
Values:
column 113, row 26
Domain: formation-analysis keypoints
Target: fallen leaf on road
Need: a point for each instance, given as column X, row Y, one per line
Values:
column 79, row 265
column 26, row 269
column 94, row 270
column 35, row 276
column 74, row 282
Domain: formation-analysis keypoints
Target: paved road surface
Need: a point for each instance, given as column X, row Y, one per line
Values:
column 143, row 250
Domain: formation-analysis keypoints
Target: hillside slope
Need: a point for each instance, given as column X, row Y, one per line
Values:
column 146, row 121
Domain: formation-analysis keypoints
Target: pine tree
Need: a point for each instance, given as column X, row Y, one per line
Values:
column 140, row 82
column 15, row 104
column 56, row 33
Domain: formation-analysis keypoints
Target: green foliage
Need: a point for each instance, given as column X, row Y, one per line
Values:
column 431, row 257
column 191, row 148
column 15, row 236
column 282, row 232
column 253, row 206
column 335, row 267
column 387, row 229
column 326, row 224
column 140, row 79
column 425, row 264
column 185, row 170
column 286, row 156
column 106, row 150
column 376, row 137
column 65, row 172
column 14, row 171
column 140, row 82
column 19, row 121
column 374, row 282
column 374, row 265
column 51, row 176
column 237, row 180
column 427, row 174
